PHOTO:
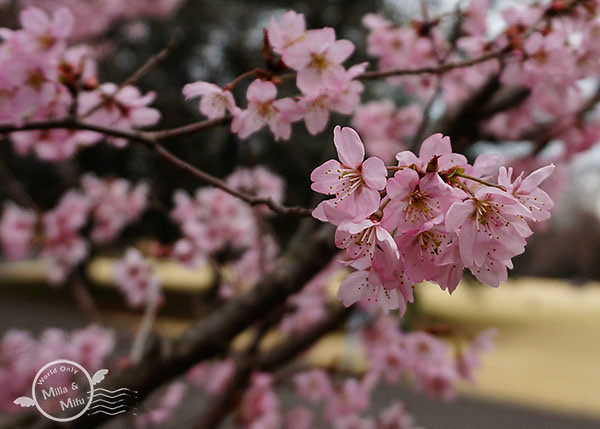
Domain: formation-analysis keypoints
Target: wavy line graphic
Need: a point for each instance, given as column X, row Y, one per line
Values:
column 118, row 401
column 124, row 395
column 107, row 407
column 107, row 413
column 100, row 389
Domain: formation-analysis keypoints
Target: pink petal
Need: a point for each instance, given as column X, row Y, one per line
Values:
column 62, row 23
column 309, row 80
column 261, row 91
column 433, row 145
column 199, row 88
column 402, row 184
column 340, row 51
column 388, row 300
column 213, row 106
column 353, row 288
column 34, row 20
column 374, row 173
column 144, row 117
column 325, row 177
column 350, row 148
column 297, row 56
column 407, row 158
column 536, row 178
column 457, row 215
column 366, row 201
column 320, row 40
column 316, row 120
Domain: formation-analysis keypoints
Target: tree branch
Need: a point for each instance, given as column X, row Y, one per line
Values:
column 153, row 60
column 151, row 140
column 211, row 336
column 444, row 68
column 281, row 354
column 139, row 73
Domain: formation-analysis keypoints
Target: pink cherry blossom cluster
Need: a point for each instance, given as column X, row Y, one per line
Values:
column 21, row 357
column 214, row 222
column 109, row 204
column 422, row 358
column 104, row 12
column 316, row 56
column 212, row 377
column 384, row 127
column 162, row 413
column 260, row 406
column 551, row 48
column 115, row 203
column 345, row 400
column 29, row 60
column 310, row 304
column 434, row 217
column 64, row 247
column 41, row 77
column 137, row 280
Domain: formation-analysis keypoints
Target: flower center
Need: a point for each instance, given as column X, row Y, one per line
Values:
column 319, row 62
column 266, row 110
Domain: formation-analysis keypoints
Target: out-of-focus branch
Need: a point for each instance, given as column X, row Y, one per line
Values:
column 140, row 72
column 543, row 133
column 463, row 123
column 281, row 354
column 444, row 68
column 153, row 60
column 308, row 254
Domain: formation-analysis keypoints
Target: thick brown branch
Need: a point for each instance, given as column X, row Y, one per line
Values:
column 281, row 354
column 463, row 122
column 211, row 336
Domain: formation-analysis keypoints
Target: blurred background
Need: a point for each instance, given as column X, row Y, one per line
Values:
column 545, row 371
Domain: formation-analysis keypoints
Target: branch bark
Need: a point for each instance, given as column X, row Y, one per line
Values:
column 308, row 254
column 280, row 355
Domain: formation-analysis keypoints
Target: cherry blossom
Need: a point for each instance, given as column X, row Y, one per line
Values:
column 288, row 31
column 214, row 101
column 136, row 279
column 354, row 181
column 17, row 229
column 263, row 110
column 260, row 406
column 318, row 58
column 114, row 204
column 64, row 247
column 437, row 216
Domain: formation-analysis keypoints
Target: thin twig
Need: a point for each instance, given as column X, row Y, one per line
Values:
column 151, row 140
column 153, row 60
column 145, row 328
column 478, row 180
column 139, row 72
column 435, row 70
